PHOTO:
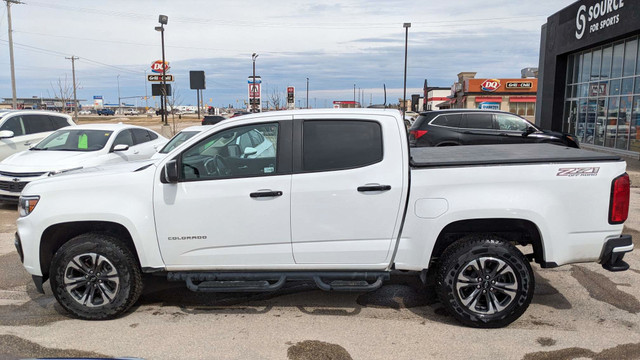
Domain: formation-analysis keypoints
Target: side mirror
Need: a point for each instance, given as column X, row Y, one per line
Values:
column 4, row 134
column 171, row 172
column 248, row 151
column 121, row 147
column 530, row 130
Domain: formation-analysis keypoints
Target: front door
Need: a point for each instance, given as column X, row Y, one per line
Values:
column 347, row 190
column 231, row 206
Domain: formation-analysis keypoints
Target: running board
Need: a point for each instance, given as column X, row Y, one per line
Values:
column 272, row 281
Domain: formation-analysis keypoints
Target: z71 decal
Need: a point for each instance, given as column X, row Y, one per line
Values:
column 583, row 171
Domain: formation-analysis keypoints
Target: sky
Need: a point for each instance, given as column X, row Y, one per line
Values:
column 336, row 44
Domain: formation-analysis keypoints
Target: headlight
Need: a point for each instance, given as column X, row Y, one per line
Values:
column 56, row 172
column 26, row 204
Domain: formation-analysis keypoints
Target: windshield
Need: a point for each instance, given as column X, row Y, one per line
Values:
column 75, row 140
column 177, row 141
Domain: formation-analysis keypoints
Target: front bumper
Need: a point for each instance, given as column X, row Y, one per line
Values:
column 613, row 252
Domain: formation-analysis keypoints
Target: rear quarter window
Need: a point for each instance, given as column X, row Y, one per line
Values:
column 477, row 121
column 59, row 121
column 452, row 120
column 340, row 144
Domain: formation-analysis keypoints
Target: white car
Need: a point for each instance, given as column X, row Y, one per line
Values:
column 84, row 112
column 131, row 112
column 73, row 148
column 20, row 129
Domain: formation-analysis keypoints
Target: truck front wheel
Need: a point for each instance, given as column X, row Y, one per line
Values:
column 484, row 281
column 95, row 277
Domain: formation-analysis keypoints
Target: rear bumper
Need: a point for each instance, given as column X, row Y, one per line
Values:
column 613, row 252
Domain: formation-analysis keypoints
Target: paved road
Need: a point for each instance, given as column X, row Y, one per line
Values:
column 577, row 311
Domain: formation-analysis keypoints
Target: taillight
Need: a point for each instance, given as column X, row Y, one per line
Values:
column 417, row 134
column 619, row 206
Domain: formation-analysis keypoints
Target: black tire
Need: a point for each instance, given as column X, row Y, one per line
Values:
column 103, row 278
column 484, row 281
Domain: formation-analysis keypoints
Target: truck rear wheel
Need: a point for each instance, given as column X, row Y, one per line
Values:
column 95, row 277
column 484, row 281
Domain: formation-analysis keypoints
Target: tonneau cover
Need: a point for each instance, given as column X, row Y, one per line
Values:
column 474, row 155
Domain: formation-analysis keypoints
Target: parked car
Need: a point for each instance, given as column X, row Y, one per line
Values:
column 84, row 112
column 212, row 119
column 75, row 147
column 321, row 207
column 178, row 139
column 480, row 127
column 131, row 112
column 19, row 129
column 239, row 113
column 105, row 111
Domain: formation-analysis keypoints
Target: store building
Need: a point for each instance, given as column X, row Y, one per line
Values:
column 516, row 95
column 436, row 95
column 35, row 102
column 590, row 74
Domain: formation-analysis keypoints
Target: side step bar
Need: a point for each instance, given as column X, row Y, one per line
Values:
column 272, row 281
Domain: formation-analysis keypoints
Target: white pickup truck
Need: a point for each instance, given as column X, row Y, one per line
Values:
column 330, row 196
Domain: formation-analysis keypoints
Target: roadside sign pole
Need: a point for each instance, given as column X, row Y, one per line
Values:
column 198, row 101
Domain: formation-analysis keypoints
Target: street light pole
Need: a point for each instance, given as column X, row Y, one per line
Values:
column 163, row 19
column 75, row 98
column 254, row 56
column 14, row 100
column 307, row 93
column 119, row 99
column 404, row 88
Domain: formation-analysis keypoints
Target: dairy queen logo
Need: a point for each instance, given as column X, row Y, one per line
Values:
column 490, row 85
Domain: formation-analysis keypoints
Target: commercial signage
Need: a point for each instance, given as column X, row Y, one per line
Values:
column 598, row 16
column 519, row 85
column 159, row 77
column 291, row 95
column 598, row 89
column 255, row 93
column 490, row 85
column 96, row 97
column 499, row 86
column 158, row 65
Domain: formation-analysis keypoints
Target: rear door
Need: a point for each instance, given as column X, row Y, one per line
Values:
column 478, row 128
column 347, row 189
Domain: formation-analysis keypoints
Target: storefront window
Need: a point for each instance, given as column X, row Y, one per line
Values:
column 634, row 142
column 595, row 64
column 616, row 68
column 586, row 66
column 602, row 98
column 627, row 86
column 606, row 63
column 630, row 50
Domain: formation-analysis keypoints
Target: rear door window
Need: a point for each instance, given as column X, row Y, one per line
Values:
column 14, row 124
column 58, row 122
column 340, row 144
column 478, row 121
column 449, row 120
column 140, row 136
column 37, row 123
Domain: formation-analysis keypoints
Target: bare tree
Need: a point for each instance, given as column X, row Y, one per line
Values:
column 172, row 101
column 63, row 90
column 275, row 97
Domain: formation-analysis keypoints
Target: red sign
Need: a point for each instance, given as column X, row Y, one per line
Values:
column 490, row 85
column 290, row 90
column 254, row 91
column 157, row 66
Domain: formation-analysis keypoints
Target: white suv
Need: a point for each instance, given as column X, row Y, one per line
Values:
column 19, row 129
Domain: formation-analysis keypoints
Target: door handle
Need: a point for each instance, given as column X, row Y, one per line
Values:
column 374, row 188
column 136, row 152
column 27, row 143
column 259, row 194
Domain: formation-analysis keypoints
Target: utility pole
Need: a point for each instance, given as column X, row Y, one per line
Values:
column 14, row 101
column 73, row 74
column 307, row 93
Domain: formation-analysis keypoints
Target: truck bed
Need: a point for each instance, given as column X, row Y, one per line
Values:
column 478, row 155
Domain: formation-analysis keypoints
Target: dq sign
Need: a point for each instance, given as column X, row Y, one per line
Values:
column 157, row 66
column 490, row 85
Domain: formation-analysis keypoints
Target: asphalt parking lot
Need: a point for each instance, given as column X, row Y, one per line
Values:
column 578, row 311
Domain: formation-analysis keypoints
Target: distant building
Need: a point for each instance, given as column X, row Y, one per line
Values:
column 345, row 104
column 436, row 95
column 40, row 103
column 516, row 95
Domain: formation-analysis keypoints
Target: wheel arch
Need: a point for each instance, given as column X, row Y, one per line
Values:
column 519, row 231
column 57, row 235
